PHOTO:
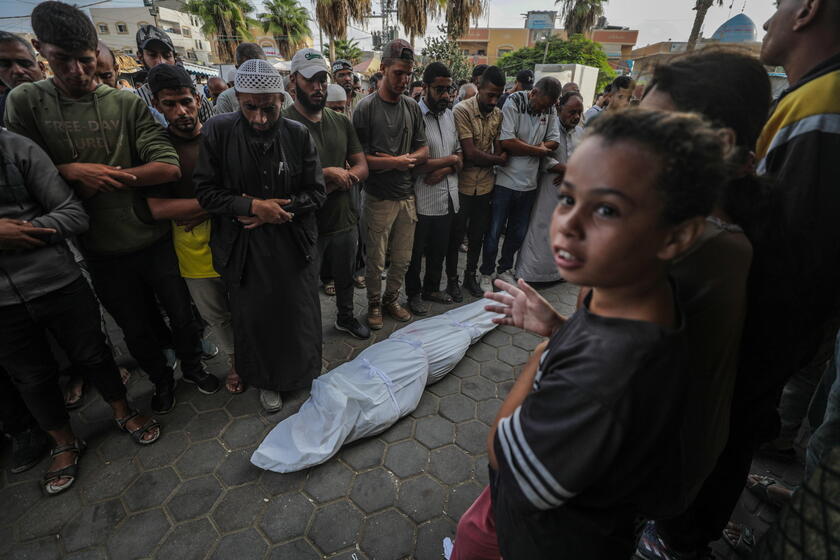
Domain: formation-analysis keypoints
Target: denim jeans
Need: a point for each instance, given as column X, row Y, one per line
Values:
column 512, row 209
column 826, row 400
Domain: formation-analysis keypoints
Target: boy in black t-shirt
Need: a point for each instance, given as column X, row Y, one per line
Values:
column 588, row 437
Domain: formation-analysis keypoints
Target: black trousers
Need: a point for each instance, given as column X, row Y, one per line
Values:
column 71, row 315
column 14, row 415
column 122, row 282
column 338, row 262
column 472, row 220
column 431, row 239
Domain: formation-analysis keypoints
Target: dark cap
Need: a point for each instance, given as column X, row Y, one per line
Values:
column 341, row 64
column 526, row 78
column 149, row 33
column 398, row 48
column 168, row 76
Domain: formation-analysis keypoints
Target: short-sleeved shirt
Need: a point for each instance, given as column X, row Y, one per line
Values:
column 591, row 114
column 597, row 439
column 336, row 140
column 191, row 247
column 518, row 121
column 394, row 129
column 434, row 200
column 484, row 130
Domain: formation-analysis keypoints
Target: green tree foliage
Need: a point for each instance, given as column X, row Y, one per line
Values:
column 348, row 50
column 579, row 16
column 577, row 50
column 441, row 49
column 288, row 22
column 227, row 20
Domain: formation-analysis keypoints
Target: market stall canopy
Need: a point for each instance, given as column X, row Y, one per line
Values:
column 200, row 70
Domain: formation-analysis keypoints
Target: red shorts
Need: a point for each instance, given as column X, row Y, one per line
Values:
column 475, row 538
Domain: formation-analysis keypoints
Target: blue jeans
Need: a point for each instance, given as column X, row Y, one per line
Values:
column 826, row 401
column 514, row 209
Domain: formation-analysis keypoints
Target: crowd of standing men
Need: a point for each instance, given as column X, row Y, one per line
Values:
column 176, row 211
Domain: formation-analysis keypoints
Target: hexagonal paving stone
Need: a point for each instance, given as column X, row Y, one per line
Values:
column 245, row 544
column 446, row 386
column 457, row 408
column 478, row 388
column 363, row 454
column 504, row 388
column 44, row 549
column 387, row 536
column 527, row 341
column 189, row 541
column 434, row 431
column 16, row 500
column 487, row 410
column 277, row 483
column 335, row 526
column 297, row 550
column 481, row 470
column 374, row 490
column 117, row 448
column 244, row 404
column 467, row 367
column 430, row 536
column 399, row 431
column 107, row 482
column 89, row 554
column 472, row 436
column 428, row 405
column 201, row 458
column 167, row 449
column 406, row 458
column 513, row 355
column 203, row 402
column 236, row 469
column 481, row 352
column 421, row 498
column 337, row 351
column 286, row 517
column 207, row 425
column 194, row 498
column 497, row 371
column 328, row 481
column 138, row 535
column 496, row 338
column 461, row 497
column 450, row 465
column 91, row 525
column 239, row 507
column 244, row 431
column 150, row 489
column 178, row 418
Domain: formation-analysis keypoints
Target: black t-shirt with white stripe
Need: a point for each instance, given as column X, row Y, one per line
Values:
column 595, row 443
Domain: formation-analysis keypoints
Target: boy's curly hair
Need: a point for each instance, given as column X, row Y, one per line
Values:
column 693, row 168
column 64, row 26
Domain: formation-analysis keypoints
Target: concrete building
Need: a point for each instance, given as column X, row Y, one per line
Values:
column 117, row 27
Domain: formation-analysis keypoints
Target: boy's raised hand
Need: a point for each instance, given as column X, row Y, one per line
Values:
column 523, row 307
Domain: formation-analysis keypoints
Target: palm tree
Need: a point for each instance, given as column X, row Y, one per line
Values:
column 288, row 21
column 333, row 16
column 579, row 16
column 701, row 7
column 414, row 15
column 459, row 14
column 227, row 20
column 348, row 50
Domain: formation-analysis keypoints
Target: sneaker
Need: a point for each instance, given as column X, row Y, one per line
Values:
column 206, row 382
column 353, row 327
column 397, row 311
column 454, row 290
column 208, row 349
column 417, row 306
column 471, row 285
column 171, row 358
column 164, row 398
column 28, row 448
column 485, row 284
column 374, row 316
column 271, row 401
column 652, row 547
column 508, row 276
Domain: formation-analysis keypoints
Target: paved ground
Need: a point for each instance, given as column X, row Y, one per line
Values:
column 195, row 495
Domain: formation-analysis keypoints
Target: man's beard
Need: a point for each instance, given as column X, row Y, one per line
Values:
column 304, row 99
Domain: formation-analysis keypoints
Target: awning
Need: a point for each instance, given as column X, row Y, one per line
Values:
column 368, row 67
column 283, row 66
column 200, row 70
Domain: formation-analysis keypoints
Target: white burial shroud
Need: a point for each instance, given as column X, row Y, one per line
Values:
column 367, row 395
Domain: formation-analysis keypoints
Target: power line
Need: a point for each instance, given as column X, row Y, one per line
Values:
column 85, row 6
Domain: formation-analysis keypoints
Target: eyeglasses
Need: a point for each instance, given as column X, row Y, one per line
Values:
column 440, row 90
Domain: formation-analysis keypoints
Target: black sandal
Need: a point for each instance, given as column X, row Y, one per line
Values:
column 70, row 471
column 438, row 297
column 138, row 434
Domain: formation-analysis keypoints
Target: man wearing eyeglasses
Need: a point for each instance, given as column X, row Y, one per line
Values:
column 436, row 189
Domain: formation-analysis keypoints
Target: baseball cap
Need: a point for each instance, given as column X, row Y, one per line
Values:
column 526, row 78
column 341, row 64
column 149, row 33
column 308, row 62
column 168, row 76
column 398, row 48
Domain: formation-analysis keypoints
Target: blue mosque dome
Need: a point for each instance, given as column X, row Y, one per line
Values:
column 739, row 29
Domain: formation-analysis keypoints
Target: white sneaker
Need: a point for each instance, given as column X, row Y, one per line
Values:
column 271, row 401
column 486, row 283
column 508, row 276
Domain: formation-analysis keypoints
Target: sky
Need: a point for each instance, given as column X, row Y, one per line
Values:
column 656, row 20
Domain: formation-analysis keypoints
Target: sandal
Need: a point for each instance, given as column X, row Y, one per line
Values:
column 745, row 542
column 329, row 288
column 438, row 297
column 70, row 471
column 74, row 393
column 760, row 486
column 235, row 385
column 137, row 435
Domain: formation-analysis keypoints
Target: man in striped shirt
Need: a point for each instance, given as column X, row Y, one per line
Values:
column 436, row 189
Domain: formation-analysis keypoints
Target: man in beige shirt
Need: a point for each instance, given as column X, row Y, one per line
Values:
column 478, row 121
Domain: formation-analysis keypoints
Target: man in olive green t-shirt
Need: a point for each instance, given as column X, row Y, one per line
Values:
column 338, row 147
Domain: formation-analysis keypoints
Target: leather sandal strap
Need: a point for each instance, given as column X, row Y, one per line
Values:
column 65, row 448
column 121, row 422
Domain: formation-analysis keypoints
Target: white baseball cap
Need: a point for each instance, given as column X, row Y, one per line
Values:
column 308, row 62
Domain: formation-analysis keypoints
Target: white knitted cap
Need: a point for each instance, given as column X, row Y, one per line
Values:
column 258, row 76
column 336, row 93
